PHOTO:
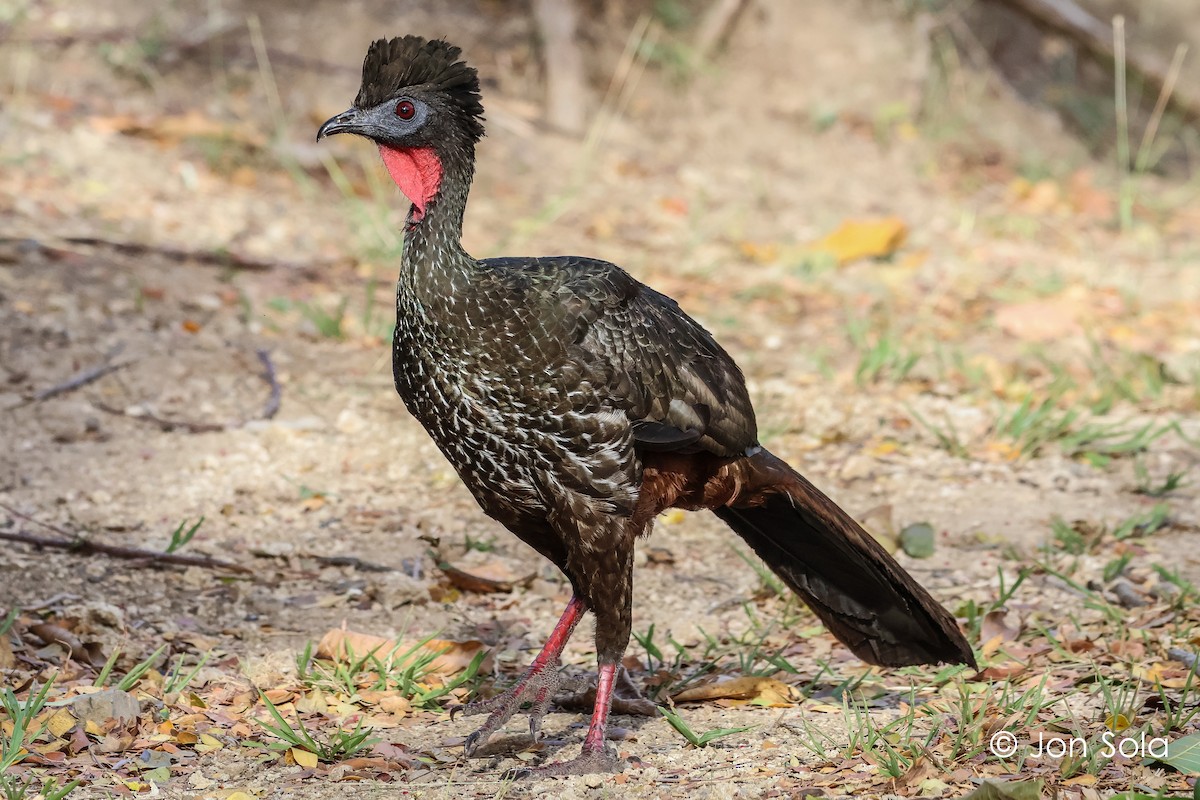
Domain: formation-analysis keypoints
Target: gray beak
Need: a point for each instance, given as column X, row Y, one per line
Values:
column 345, row 122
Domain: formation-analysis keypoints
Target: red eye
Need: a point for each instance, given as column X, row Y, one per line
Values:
column 405, row 109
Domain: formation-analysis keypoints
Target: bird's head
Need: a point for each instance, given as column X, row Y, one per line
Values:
column 420, row 104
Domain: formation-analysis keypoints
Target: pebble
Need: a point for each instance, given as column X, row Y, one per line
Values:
column 350, row 423
column 106, row 705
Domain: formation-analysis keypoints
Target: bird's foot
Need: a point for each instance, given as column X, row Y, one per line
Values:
column 536, row 687
column 593, row 759
column 626, row 698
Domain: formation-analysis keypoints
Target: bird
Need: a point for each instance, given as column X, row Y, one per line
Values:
column 577, row 404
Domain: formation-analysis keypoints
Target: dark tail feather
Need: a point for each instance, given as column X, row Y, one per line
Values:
column 858, row 590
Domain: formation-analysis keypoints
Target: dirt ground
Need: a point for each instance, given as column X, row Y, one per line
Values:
column 894, row 383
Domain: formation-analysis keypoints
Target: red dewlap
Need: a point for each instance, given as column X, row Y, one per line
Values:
column 418, row 173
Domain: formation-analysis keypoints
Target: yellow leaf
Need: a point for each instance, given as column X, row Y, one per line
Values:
column 208, row 744
column 1116, row 722
column 92, row 728
column 304, row 758
column 757, row 690
column 61, row 722
column 756, row 251
column 857, row 239
column 672, row 516
column 240, row 795
column 884, row 448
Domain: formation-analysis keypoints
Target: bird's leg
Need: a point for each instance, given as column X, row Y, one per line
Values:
column 535, row 687
column 608, row 587
column 595, row 755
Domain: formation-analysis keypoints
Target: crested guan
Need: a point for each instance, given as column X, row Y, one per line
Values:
column 577, row 403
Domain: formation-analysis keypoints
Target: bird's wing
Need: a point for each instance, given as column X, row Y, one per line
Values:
column 680, row 390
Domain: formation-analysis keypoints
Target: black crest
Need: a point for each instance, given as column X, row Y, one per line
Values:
column 409, row 62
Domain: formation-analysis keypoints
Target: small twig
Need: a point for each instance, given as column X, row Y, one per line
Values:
column 79, row 379
column 36, row 521
column 85, row 547
column 77, row 544
column 221, row 258
column 272, row 407
column 165, row 424
column 356, row 563
column 717, row 26
column 269, row 410
column 1188, row 659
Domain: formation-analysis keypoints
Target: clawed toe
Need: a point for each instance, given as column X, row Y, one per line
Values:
column 536, row 688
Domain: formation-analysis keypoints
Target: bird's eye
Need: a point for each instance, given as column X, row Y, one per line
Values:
column 405, row 109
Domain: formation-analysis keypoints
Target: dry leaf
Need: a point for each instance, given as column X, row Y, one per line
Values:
column 303, row 757
column 749, row 689
column 1000, row 672
column 474, row 581
column 858, row 239
column 6, row 654
column 998, row 627
column 62, row 721
column 339, row 644
column 1045, row 319
column 208, row 744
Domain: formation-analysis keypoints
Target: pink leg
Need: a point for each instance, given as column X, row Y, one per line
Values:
column 535, row 687
column 604, row 695
column 595, row 755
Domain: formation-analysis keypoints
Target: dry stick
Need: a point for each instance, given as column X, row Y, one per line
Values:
column 222, row 258
column 87, row 547
column 272, row 407
column 165, row 424
column 79, row 379
column 269, row 410
column 77, row 544
column 1068, row 18
column 566, row 85
column 717, row 26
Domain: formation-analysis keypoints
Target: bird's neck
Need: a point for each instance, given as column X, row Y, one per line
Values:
column 437, row 187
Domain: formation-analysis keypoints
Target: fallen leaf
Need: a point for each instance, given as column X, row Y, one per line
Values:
column 474, row 582
column 208, row 744
column 757, row 251
column 997, row 790
column 6, row 654
column 61, row 722
column 751, row 689
column 1044, row 319
column 1184, row 754
column 858, row 239
column 1000, row 672
column 997, row 628
column 304, row 758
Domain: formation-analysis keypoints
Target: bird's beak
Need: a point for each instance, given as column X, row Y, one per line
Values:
column 345, row 122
